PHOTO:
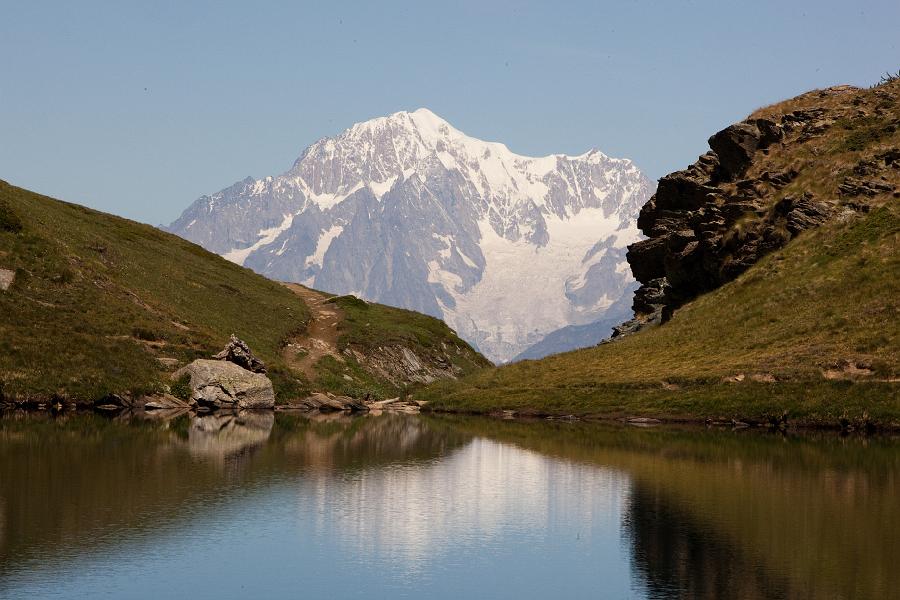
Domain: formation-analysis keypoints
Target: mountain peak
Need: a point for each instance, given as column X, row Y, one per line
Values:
column 421, row 121
column 428, row 122
column 407, row 210
column 406, row 138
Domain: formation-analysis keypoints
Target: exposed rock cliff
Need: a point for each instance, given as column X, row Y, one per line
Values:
column 786, row 169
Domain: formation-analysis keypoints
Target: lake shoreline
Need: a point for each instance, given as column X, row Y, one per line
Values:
column 660, row 420
column 639, row 420
column 844, row 406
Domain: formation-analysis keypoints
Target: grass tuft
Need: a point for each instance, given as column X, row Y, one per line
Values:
column 9, row 220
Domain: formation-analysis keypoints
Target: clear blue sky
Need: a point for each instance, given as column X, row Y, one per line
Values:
column 139, row 108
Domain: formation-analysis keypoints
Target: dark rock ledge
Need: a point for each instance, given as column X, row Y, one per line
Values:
column 708, row 223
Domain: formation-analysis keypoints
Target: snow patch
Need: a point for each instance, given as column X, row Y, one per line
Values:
column 327, row 200
column 259, row 186
column 266, row 237
column 322, row 245
column 447, row 240
column 450, row 281
column 380, row 188
column 466, row 259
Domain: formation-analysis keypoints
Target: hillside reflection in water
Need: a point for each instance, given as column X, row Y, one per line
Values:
column 230, row 505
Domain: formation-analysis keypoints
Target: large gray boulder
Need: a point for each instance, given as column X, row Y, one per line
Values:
column 223, row 384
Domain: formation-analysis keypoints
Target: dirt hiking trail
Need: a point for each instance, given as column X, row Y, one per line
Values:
column 320, row 339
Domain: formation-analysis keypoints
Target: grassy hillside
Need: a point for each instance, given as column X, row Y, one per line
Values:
column 102, row 305
column 370, row 337
column 812, row 330
column 97, row 299
column 368, row 326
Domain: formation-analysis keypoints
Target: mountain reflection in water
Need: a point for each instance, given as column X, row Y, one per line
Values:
column 398, row 505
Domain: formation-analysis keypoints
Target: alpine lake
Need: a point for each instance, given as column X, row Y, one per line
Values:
column 296, row 505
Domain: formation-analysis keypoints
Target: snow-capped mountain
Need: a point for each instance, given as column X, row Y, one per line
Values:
column 408, row 211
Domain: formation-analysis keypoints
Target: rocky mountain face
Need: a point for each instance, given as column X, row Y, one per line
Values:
column 408, row 211
column 765, row 180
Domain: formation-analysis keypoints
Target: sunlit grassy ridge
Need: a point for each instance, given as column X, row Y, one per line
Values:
column 830, row 298
column 367, row 327
column 97, row 298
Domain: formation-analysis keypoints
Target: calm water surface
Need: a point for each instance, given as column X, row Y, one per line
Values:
column 262, row 505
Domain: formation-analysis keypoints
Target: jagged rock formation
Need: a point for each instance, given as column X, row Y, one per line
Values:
column 402, row 366
column 757, row 188
column 408, row 211
column 237, row 351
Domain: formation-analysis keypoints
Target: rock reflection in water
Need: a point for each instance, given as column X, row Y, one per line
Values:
column 335, row 442
column 224, row 434
column 64, row 480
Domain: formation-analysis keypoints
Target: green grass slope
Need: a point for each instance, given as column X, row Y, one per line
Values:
column 812, row 330
column 368, row 326
column 97, row 299
column 367, row 329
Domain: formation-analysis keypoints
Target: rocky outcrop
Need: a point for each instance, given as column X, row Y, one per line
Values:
column 223, row 384
column 229, row 433
column 164, row 402
column 239, row 353
column 326, row 402
column 710, row 222
column 402, row 366
column 736, row 145
column 687, row 251
column 858, row 187
column 331, row 403
column 404, row 405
